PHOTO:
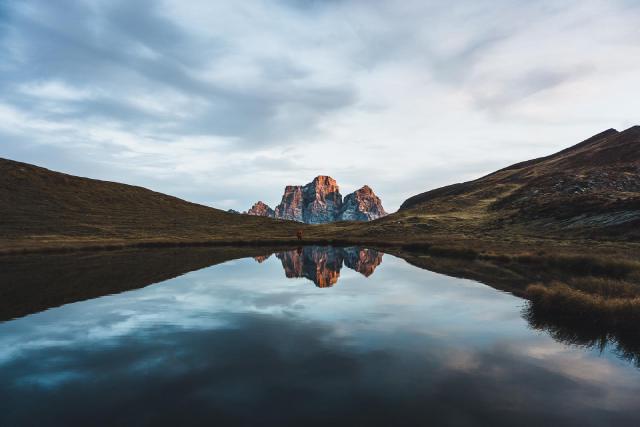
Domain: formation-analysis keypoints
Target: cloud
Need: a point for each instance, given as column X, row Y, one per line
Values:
column 205, row 99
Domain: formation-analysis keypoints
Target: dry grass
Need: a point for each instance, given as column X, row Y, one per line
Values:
column 589, row 312
column 605, row 287
column 44, row 209
column 582, row 265
column 604, row 302
column 598, row 265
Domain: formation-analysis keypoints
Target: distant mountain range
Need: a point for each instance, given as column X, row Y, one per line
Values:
column 320, row 202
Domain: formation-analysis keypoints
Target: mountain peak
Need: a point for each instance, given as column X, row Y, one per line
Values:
column 324, row 179
column 323, row 185
column 362, row 205
column 261, row 209
column 633, row 130
column 320, row 202
column 609, row 131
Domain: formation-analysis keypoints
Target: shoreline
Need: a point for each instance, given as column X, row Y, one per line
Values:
column 563, row 283
column 456, row 247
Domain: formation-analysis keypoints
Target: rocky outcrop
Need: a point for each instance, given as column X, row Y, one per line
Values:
column 261, row 209
column 291, row 205
column 320, row 202
column 362, row 205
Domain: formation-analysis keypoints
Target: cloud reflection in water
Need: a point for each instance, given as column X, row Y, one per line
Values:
column 239, row 344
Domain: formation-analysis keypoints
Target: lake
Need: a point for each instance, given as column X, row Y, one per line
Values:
column 310, row 336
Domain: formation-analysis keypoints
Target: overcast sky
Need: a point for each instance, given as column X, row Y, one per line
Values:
column 225, row 102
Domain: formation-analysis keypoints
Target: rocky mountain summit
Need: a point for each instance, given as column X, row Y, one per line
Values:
column 320, row 202
column 362, row 205
column 261, row 209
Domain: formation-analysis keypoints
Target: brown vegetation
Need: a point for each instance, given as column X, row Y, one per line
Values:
column 590, row 312
column 41, row 209
column 599, row 301
column 590, row 191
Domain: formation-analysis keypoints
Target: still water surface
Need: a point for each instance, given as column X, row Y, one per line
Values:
column 317, row 336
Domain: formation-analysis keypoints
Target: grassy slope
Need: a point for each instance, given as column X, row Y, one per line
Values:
column 40, row 208
column 586, row 197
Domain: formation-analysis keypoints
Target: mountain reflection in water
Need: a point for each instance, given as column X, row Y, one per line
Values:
column 239, row 344
column 322, row 264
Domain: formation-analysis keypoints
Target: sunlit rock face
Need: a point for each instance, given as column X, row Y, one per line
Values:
column 261, row 209
column 362, row 205
column 292, row 203
column 322, row 264
column 315, row 203
column 362, row 260
column 320, row 202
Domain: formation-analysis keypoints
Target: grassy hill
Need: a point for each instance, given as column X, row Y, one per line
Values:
column 588, row 191
column 39, row 207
